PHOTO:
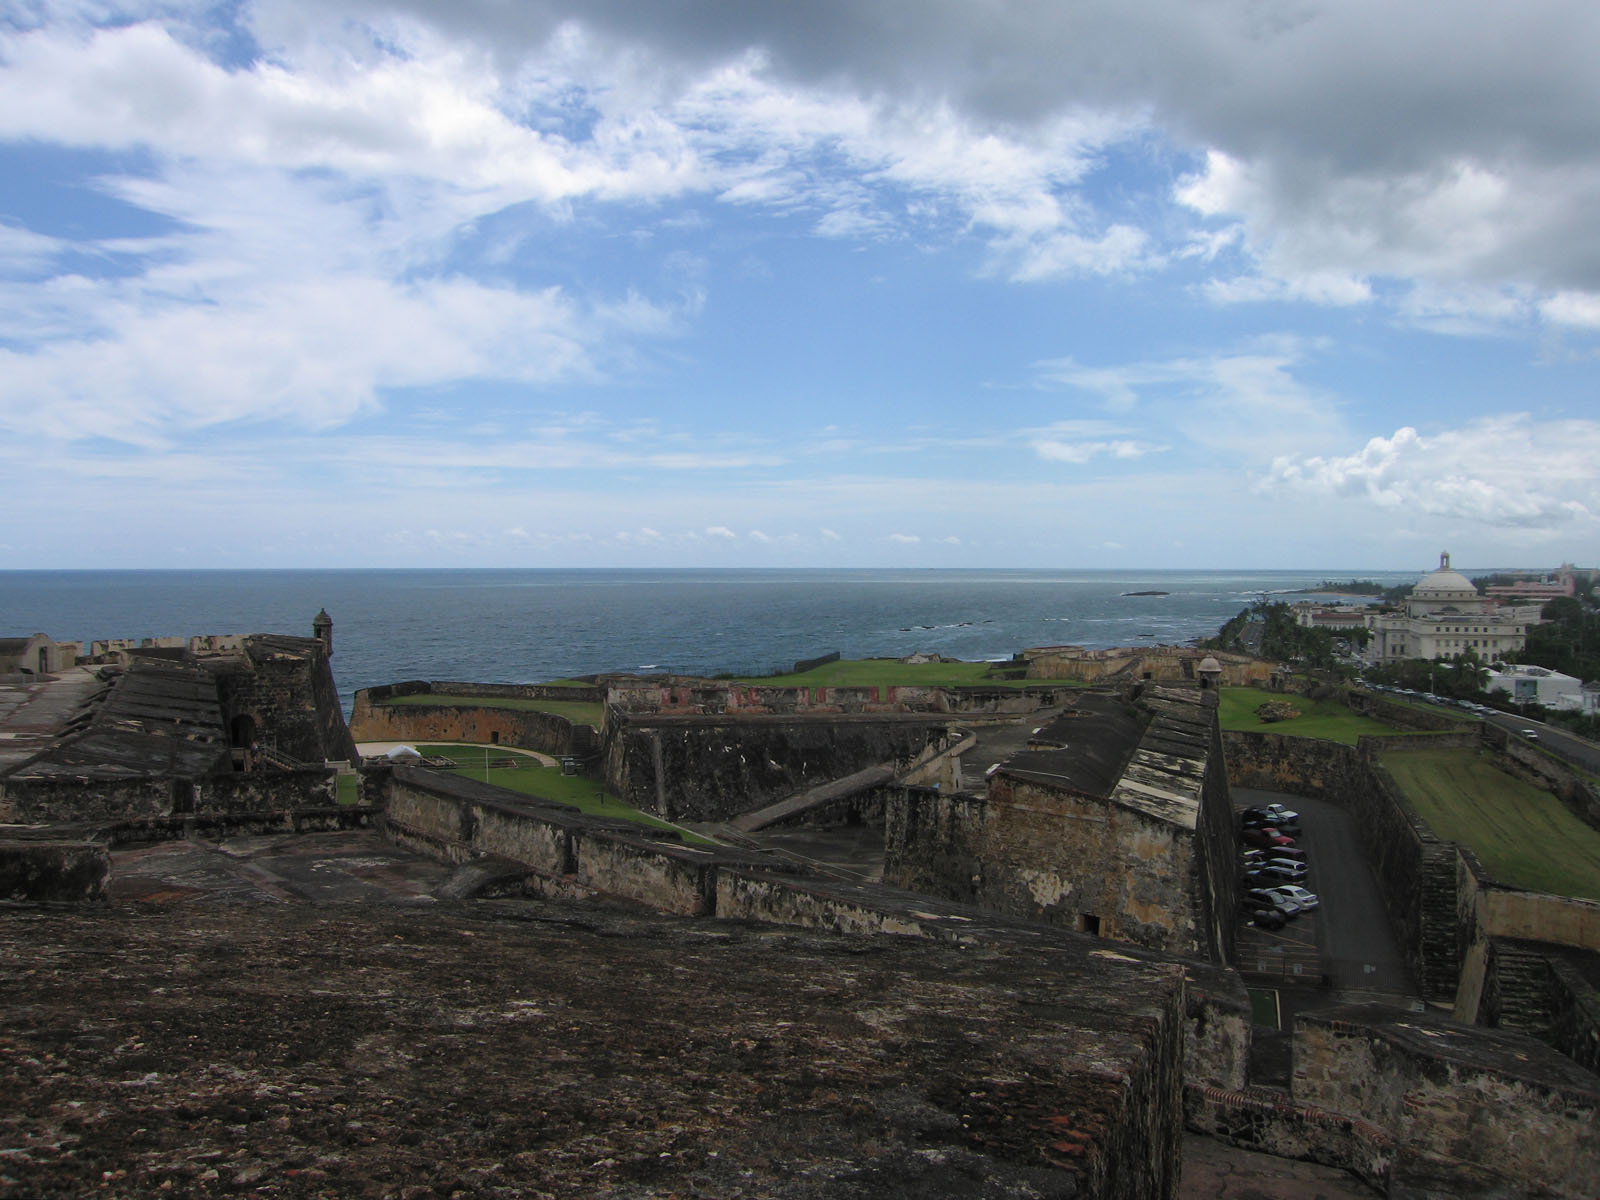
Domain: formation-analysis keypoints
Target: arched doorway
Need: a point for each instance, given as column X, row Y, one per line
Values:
column 241, row 739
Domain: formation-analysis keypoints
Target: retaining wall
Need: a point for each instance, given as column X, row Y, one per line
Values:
column 545, row 732
column 1475, row 1111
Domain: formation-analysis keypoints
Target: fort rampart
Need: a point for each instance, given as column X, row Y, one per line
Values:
column 1370, row 1094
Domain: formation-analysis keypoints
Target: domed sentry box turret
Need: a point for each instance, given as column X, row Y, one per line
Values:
column 322, row 630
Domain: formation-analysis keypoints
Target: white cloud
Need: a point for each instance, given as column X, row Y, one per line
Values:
column 1504, row 471
column 720, row 531
column 1248, row 403
column 905, row 539
column 1573, row 308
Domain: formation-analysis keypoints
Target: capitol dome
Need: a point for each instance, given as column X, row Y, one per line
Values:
column 1445, row 584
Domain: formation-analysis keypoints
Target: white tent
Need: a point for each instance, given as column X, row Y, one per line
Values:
column 405, row 754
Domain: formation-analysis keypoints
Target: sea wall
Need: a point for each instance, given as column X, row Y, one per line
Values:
column 710, row 769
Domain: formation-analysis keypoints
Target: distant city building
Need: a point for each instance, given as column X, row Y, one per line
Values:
column 1445, row 616
column 1551, row 587
column 1339, row 618
column 1541, row 685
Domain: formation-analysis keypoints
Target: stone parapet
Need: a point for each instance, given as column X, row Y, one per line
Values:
column 53, row 870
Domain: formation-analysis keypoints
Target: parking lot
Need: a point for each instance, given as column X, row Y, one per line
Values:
column 1346, row 942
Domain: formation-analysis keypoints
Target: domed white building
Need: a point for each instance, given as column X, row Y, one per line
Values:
column 1444, row 616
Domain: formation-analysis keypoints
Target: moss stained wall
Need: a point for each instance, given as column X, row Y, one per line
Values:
column 1471, row 1110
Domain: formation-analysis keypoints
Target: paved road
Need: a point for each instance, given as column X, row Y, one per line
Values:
column 1563, row 745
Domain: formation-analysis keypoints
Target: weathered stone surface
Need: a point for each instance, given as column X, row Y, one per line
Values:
column 711, row 769
column 1115, row 820
column 46, row 869
column 534, row 1050
column 1500, row 1104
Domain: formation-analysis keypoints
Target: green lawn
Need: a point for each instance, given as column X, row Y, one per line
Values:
column 546, row 783
column 577, row 711
column 1525, row 837
column 1328, row 719
column 886, row 672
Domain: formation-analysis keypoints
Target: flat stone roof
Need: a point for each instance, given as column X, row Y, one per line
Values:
column 1148, row 755
column 509, row 1048
column 157, row 718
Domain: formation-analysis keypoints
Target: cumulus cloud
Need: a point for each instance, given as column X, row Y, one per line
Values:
column 1506, row 471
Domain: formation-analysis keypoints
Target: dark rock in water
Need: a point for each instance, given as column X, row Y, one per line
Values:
column 1147, row 593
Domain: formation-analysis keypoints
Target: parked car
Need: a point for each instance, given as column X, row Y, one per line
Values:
column 1269, row 898
column 1306, row 900
column 1531, row 734
column 1284, row 874
column 1269, row 917
column 1277, row 860
column 1291, row 852
column 1280, row 812
column 1265, row 838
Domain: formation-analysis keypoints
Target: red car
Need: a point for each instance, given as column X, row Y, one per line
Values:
column 1265, row 837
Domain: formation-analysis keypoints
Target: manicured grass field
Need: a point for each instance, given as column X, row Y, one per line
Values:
column 577, row 711
column 1523, row 836
column 886, row 672
column 1328, row 719
column 547, row 783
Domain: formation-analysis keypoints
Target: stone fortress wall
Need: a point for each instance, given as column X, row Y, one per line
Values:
column 1188, row 1023
column 1497, row 1110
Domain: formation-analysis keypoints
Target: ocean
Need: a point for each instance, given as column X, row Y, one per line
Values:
column 521, row 626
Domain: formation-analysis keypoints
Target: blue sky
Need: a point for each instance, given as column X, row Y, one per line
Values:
column 860, row 283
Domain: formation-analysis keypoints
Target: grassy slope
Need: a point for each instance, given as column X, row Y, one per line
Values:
column 547, row 783
column 1328, row 719
column 1524, row 836
column 886, row 672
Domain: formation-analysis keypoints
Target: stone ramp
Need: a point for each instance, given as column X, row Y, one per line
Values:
column 863, row 780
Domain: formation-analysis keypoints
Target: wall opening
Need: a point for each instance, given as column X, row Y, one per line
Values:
column 494, row 737
column 1089, row 923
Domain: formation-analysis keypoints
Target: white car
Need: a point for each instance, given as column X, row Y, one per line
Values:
column 1306, row 900
column 1279, row 812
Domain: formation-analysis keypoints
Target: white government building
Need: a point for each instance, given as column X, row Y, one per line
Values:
column 1444, row 616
